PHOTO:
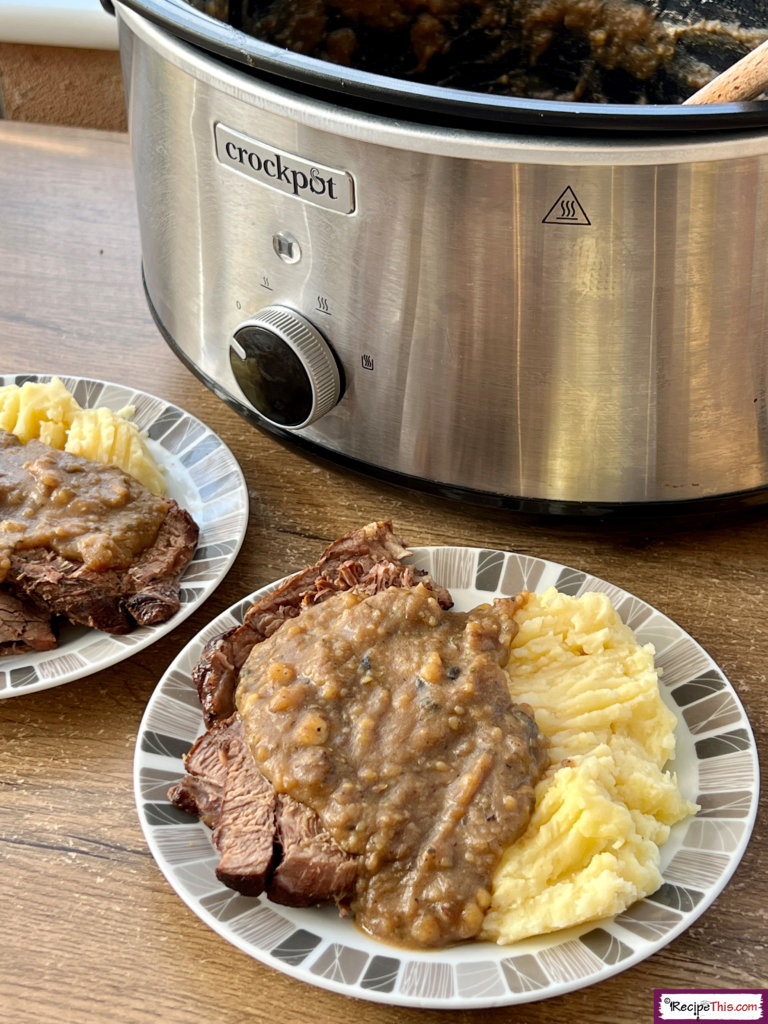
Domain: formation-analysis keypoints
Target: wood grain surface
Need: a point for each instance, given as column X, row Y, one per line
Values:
column 91, row 930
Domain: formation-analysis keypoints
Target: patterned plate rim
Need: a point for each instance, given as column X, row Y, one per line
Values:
column 206, row 479
column 716, row 765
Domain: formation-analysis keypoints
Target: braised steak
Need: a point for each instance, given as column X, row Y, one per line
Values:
column 307, row 866
column 267, row 843
column 24, row 627
column 368, row 559
column 362, row 748
column 86, row 543
column 392, row 719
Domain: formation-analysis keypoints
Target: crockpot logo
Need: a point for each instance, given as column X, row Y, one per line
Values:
column 323, row 186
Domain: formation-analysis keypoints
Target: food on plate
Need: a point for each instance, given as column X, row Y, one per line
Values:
column 605, row 805
column 270, row 841
column 369, row 559
column 84, row 542
column 436, row 774
column 24, row 626
column 109, row 437
column 38, row 410
column 46, row 411
column 392, row 718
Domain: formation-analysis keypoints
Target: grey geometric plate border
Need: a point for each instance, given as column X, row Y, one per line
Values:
column 716, row 765
column 203, row 476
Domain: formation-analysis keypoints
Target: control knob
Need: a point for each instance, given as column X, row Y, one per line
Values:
column 285, row 368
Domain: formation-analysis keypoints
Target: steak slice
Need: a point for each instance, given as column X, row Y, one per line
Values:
column 245, row 833
column 266, row 843
column 368, row 558
column 269, row 842
column 23, row 627
column 112, row 600
column 205, row 763
column 312, row 868
column 170, row 553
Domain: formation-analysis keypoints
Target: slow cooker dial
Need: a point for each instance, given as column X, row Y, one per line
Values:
column 285, row 368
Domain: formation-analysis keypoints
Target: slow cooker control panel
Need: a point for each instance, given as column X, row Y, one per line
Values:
column 285, row 368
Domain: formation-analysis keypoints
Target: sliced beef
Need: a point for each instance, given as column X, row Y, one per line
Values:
column 266, row 843
column 155, row 602
column 312, row 868
column 23, row 627
column 269, row 842
column 170, row 553
column 245, row 833
column 112, row 600
column 369, row 558
column 205, row 764
column 87, row 542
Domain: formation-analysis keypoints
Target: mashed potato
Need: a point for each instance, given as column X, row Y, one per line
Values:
column 51, row 414
column 605, row 805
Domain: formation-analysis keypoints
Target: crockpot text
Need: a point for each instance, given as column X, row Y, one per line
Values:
column 276, row 168
column 315, row 183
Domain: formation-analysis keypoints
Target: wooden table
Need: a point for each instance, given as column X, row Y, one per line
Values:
column 91, row 930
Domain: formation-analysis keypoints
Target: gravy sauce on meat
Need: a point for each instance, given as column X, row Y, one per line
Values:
column 392, row 719
column 90, row 513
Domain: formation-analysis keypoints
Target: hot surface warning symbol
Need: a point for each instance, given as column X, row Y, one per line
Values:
column 567, row 210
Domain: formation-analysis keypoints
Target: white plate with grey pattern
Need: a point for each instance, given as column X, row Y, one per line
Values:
column 203, row 476
column 716, row 765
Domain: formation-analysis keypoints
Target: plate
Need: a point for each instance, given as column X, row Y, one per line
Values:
column 203, row 476
column 716, row 765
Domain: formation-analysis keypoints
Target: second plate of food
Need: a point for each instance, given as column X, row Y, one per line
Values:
column 202, row 475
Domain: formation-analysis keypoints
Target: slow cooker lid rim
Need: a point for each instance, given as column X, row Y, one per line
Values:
column 451, row 105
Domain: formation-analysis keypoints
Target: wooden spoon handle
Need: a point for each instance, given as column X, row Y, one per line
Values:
column 744, row 80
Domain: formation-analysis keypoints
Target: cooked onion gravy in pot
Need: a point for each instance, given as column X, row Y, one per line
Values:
column 392, row 719
column 592, row 51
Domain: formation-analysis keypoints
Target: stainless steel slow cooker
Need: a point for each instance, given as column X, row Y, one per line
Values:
column 532, row 304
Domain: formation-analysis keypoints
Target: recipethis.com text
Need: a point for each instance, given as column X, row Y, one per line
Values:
column 711, row 1006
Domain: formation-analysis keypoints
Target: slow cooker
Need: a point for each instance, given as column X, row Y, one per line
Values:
column 533, row 304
